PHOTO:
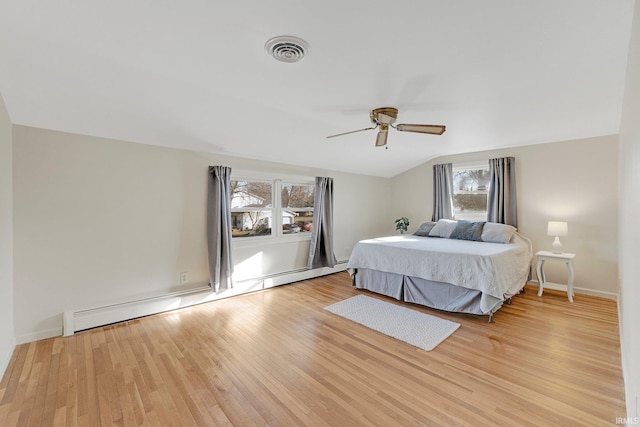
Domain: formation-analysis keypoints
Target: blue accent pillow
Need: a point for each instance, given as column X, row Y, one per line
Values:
column 424, row 229
column 467, row 230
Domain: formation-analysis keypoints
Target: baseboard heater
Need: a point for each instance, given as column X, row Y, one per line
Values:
column 79, row 320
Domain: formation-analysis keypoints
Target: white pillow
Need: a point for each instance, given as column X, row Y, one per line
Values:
column 495, row 232
column 443, row 228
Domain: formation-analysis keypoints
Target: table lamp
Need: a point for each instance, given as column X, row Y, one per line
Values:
column 557, row 229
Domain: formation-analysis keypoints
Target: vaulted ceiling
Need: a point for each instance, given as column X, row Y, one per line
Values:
column 194, row 74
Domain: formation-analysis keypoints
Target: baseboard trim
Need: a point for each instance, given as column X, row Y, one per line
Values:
column 39, row 335
column 78, row 320
column 283, row 279
column 578, row 290
column 5, row 356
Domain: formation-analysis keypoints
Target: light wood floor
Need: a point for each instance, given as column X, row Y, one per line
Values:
column 277, row 358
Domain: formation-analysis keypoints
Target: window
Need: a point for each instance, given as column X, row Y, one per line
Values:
column 271, row 208
column 297, row 207
column 470, row 190
column 251, row 208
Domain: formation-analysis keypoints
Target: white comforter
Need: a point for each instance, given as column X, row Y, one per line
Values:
column 495, row 269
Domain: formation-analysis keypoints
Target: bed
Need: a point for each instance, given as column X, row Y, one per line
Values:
column 473, row 276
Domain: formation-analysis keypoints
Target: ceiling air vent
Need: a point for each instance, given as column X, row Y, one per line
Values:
column 287, row 48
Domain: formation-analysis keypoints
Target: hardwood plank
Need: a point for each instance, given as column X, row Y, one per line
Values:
column 276, row 357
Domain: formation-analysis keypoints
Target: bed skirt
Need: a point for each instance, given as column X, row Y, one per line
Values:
column 438, row 295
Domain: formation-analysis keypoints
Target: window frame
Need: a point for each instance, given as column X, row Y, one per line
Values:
column 255, row 209
column 464, row 166
column 277, row 233
column 280, row 185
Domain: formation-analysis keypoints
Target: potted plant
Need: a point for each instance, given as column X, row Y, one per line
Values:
column 402, row 224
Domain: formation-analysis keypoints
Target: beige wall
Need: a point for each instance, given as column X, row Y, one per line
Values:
column 573, row 181
column 100, row 221
column 629, row 225
column 6, row 241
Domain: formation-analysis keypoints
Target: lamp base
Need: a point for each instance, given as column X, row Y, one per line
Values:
column 556, row 246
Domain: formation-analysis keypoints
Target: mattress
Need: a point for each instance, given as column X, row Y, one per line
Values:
column 496, row 270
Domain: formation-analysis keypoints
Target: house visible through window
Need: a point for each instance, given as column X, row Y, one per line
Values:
column 271, row 208
column 470, row 190
column 251, row 208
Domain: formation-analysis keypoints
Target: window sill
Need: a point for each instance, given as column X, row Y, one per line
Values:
column 243, row 242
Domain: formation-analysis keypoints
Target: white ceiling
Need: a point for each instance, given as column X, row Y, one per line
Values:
column 194, row 74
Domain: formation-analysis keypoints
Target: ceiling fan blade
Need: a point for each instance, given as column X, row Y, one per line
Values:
column 431, row 129
column 351, row 131
column 381, row 139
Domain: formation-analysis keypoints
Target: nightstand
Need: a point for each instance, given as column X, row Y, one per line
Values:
column 564, row 257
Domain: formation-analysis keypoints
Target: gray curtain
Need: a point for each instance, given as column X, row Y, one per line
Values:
column 219, row 228
column 501, row 205
column 321, row 248
column 442, row 191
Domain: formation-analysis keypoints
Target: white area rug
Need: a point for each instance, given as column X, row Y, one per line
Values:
column 413, row 327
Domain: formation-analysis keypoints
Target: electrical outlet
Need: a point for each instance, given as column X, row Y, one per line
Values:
column 184, row 277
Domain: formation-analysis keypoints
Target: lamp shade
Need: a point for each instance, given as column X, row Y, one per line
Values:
column 557, row 228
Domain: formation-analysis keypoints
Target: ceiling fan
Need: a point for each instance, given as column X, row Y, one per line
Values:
column 385, row 117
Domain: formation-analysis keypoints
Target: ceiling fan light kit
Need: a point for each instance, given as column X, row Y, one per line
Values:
column 385, row 117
